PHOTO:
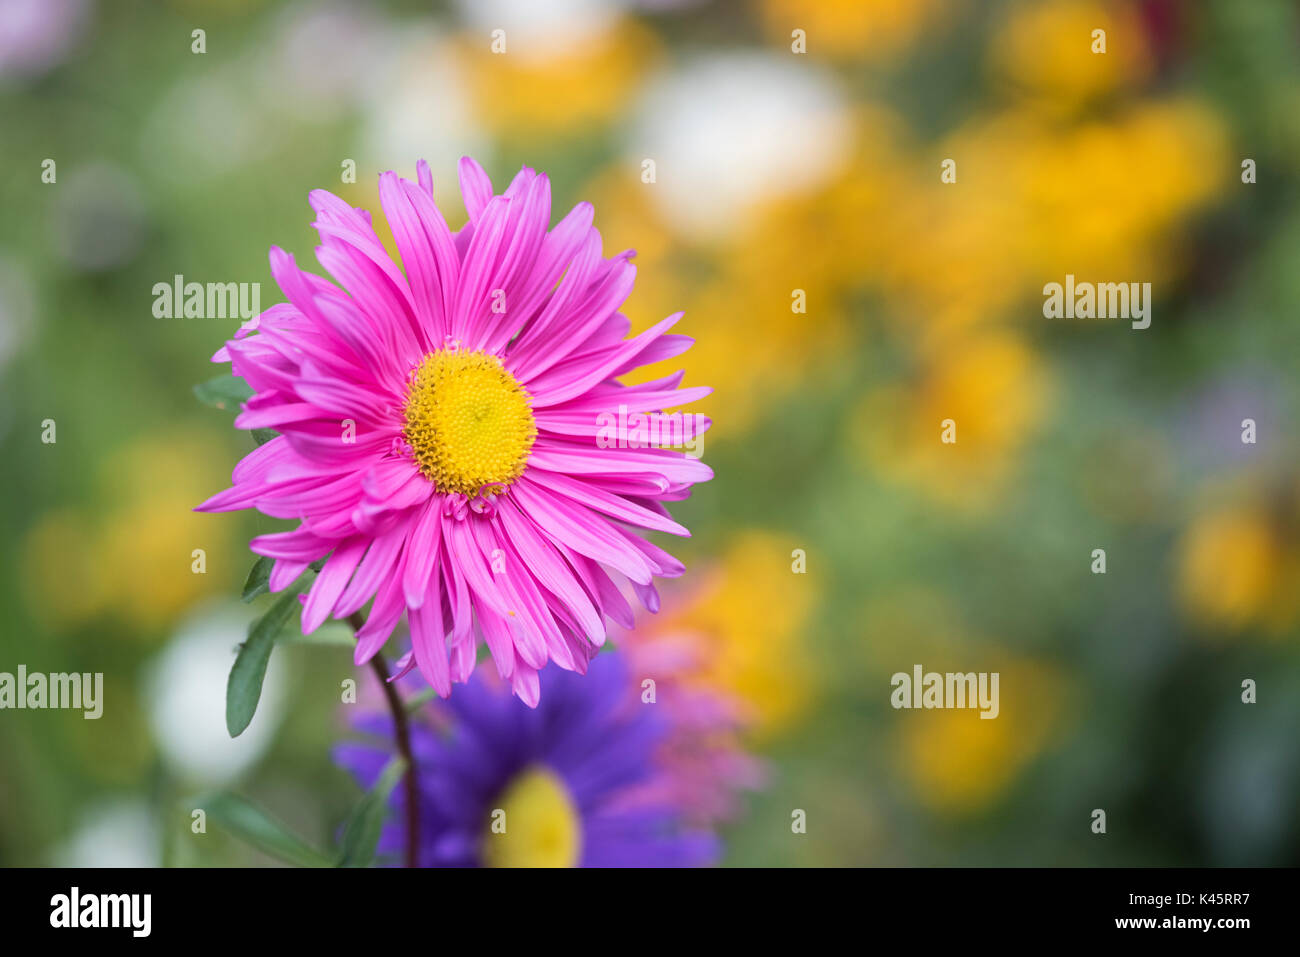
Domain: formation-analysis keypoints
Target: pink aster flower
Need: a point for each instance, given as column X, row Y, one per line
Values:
column 704, row 760
column 441, row 430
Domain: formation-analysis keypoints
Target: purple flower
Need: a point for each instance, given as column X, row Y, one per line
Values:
column 705, row 763
column 37, row 35
column 572, row 782
column 440, row 430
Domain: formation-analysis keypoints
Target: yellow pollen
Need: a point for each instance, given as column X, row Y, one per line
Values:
column 534, row 824
column 468, row 422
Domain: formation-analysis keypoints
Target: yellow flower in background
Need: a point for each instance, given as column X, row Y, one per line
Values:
column 958, row 762
column 137, row 563
column 1237, row 569
column 1034, row 200
column 628, row 220
column 852, row 29
column 1045, row 50
column 1125, row 188
column 749, row 344
column 149, row 540
column 955, row 257
column 772, row 308
column 755, row 611
column 752, row 350
column 523, row 97
column 831, row 241
column 955, row 760
column 61, row 572
column 992, row 390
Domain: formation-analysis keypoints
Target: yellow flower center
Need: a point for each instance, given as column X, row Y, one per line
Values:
column 535, row 824
column 468, row 422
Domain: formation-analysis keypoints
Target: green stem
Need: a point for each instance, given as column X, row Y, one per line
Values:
column 402, row 734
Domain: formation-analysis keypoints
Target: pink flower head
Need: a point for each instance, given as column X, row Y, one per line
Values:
column 704, row 762
column 441, row 430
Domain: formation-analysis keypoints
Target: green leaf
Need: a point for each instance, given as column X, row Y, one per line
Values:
column 223, row 392
column 250, row 824
column 332, row 634
column 361, row 833
column 244, row 687
column 262, row 436
column 259, row 578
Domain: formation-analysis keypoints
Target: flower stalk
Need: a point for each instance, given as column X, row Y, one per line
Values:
column 402, row 735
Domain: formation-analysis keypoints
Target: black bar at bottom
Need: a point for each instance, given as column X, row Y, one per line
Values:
column 339, row 907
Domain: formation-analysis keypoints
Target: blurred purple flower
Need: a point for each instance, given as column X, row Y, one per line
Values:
column 1212, row 424
column 577, row 781
column 37, row 35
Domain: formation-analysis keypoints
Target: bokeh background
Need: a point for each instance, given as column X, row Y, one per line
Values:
column 775, row 172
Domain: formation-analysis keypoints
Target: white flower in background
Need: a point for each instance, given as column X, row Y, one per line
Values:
column 729, row 131
column 185, row 694
column 420, row 107
column 539, row 31
column 120, row 833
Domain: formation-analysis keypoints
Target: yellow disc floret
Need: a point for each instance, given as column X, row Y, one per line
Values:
column 535, row 824
column 468, row 422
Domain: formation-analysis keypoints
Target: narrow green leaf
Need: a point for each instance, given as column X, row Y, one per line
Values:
column 244, row 687
column 361, row 833
column 332, row 634
column 223, row 392
column 262, row 436
column 258, row 580
column 252, row 825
